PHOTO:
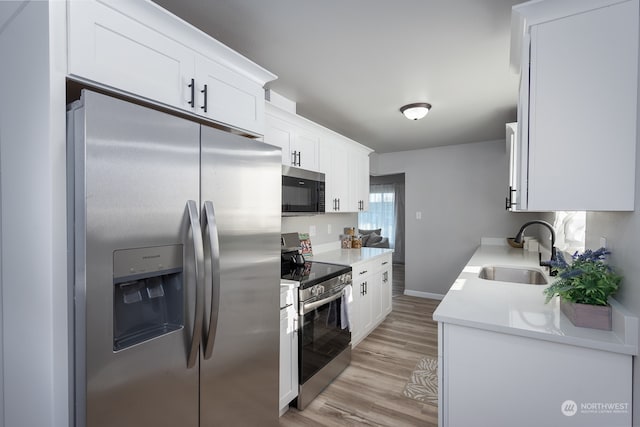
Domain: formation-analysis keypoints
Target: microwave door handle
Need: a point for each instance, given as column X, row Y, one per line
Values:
column 313, row 305
column 198, row 251
column 213, row 246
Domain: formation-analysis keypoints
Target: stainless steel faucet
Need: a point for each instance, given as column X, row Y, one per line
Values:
column 518, row 240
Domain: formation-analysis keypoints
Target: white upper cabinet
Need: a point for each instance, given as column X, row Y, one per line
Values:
column 334, row 163
column 577, row 109
column 360, row 177
column 141, row 49
column 345, row 164
column 517, row 179
column 229, row 97
column 295, row 135
column 307, row 145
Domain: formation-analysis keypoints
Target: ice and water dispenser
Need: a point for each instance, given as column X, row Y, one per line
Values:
column 148, row 297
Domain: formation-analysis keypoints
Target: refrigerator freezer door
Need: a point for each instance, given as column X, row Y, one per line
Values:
column 242, row 180
column 135, row 170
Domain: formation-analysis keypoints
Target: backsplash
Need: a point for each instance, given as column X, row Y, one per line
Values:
column 323, row 229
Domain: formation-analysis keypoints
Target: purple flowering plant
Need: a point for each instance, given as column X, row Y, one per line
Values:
column 586, row 280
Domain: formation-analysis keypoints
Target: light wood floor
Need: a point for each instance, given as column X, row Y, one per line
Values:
column 369, row 391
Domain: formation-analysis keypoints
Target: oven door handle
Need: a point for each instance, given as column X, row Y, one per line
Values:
column 313, row 305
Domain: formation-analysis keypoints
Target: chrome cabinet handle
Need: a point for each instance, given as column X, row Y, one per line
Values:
column 212, row 268
column 196, row 235
column 299, row 158
column 294, row 154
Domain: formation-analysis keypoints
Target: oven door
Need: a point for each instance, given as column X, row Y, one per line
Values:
column 321, row 336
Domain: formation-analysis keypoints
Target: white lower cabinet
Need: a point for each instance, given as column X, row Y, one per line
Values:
column 487, row 378
column 288, row 353
column 362, row 321
column 386, row 283
column 371, row 296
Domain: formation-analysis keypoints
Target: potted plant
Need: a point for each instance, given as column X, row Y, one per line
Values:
column 584, row 287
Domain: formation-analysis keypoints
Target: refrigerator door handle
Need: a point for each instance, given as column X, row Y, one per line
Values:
column 196, row 233
column 213, row 253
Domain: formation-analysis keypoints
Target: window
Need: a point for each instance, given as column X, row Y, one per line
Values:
column 382, row 211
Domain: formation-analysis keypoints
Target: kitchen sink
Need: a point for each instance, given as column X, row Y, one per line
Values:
column 513, row 274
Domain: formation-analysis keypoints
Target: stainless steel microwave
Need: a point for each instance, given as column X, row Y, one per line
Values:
column 302, row 191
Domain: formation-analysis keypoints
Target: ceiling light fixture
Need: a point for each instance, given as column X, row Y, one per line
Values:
column 415, row 111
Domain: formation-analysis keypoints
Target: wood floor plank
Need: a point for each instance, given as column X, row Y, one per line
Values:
column 370, row 391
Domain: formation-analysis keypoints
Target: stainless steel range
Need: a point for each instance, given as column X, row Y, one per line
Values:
column 324, row 340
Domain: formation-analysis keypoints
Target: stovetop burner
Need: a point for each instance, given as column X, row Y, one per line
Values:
column 312, row 272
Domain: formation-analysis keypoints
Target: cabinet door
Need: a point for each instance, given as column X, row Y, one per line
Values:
column 362, row 318
column 112, row 49
column 288, row 357
column 294, row 135
column 359, row 170
column 516, row 179
column 583, row 110
column 228, row 97
column 334, row 163
column 305, row 145
column 386, row 276
column 279, row 133
column 375, row 290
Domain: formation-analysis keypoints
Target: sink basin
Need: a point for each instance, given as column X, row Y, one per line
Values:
column 513, row 274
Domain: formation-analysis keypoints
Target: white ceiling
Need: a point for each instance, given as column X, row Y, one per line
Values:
column 351, row 64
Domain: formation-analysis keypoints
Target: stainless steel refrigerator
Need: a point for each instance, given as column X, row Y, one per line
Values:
column 175, row 245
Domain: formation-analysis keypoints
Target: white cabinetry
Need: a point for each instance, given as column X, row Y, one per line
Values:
column 228, row 97
column 140, row 49
column 360, row 179
column 288, row 347
column 334, row 163
column 371, row 295
column 345, row 164
column 530, row 381
column 362, row 302
column 386, row 283
column 307, row 145
column 295, row 135
column 577, row 110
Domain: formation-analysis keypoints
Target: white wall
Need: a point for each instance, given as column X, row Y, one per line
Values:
column 622, row 233
column 460, row 191
column 33, row 229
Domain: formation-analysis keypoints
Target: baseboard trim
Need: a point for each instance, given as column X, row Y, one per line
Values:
column 423, row 294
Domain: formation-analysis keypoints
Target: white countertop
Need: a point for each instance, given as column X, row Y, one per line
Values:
column 519, row 309
column 349, row 256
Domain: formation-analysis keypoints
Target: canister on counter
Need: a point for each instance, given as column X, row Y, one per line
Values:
column 350, row 231
column 356, row 242
column 345, row 241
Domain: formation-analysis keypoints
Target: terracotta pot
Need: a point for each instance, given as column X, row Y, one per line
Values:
column 587, row 315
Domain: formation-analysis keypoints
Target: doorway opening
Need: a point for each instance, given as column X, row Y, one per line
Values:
column 387, row 213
